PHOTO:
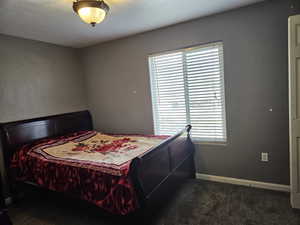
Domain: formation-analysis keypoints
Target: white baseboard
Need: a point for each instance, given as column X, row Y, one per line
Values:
column 243, row 182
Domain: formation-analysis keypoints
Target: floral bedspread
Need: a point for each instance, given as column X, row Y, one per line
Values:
column 89, row 165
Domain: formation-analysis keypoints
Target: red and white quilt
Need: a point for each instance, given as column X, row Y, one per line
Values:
column 88, row 165
column 110, row 154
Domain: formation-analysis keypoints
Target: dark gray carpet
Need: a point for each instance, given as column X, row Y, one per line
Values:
column 196, row 203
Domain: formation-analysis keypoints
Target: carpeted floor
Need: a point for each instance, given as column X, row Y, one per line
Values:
column 196, row 203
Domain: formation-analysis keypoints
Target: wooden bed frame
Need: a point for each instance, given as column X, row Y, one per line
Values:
column 154, row 174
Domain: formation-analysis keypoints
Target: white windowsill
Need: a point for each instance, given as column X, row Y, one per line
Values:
column 197, row 142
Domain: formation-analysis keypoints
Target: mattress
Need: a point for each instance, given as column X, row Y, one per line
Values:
column 89, row 165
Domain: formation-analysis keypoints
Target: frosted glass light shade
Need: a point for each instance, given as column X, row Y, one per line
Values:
column 92, row 15
column 91, row 11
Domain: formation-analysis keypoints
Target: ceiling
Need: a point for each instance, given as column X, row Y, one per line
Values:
column 55, row 22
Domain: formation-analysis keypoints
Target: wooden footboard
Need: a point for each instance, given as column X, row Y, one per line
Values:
column 161, row 170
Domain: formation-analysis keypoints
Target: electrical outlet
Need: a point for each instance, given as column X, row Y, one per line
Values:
column 265, row 157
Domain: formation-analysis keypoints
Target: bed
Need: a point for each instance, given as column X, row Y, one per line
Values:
column 59, row 153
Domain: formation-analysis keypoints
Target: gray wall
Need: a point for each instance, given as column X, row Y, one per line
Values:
column 256, row 80
column 38, row 79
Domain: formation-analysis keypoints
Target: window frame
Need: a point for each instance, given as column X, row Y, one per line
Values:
column 153, row 83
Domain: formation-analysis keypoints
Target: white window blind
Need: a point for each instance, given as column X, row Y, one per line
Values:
column 188, row 88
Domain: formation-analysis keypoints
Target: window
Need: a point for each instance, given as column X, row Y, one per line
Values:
column 188, row 88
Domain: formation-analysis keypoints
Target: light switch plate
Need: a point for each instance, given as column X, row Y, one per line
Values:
column 265, row 157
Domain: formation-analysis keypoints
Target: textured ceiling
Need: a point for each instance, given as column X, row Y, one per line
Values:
column 55, row 22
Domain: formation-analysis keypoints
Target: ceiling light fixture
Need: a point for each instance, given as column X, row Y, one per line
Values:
column 91, row 11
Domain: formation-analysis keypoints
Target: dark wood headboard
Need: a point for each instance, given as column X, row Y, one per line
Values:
column 15, row 134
